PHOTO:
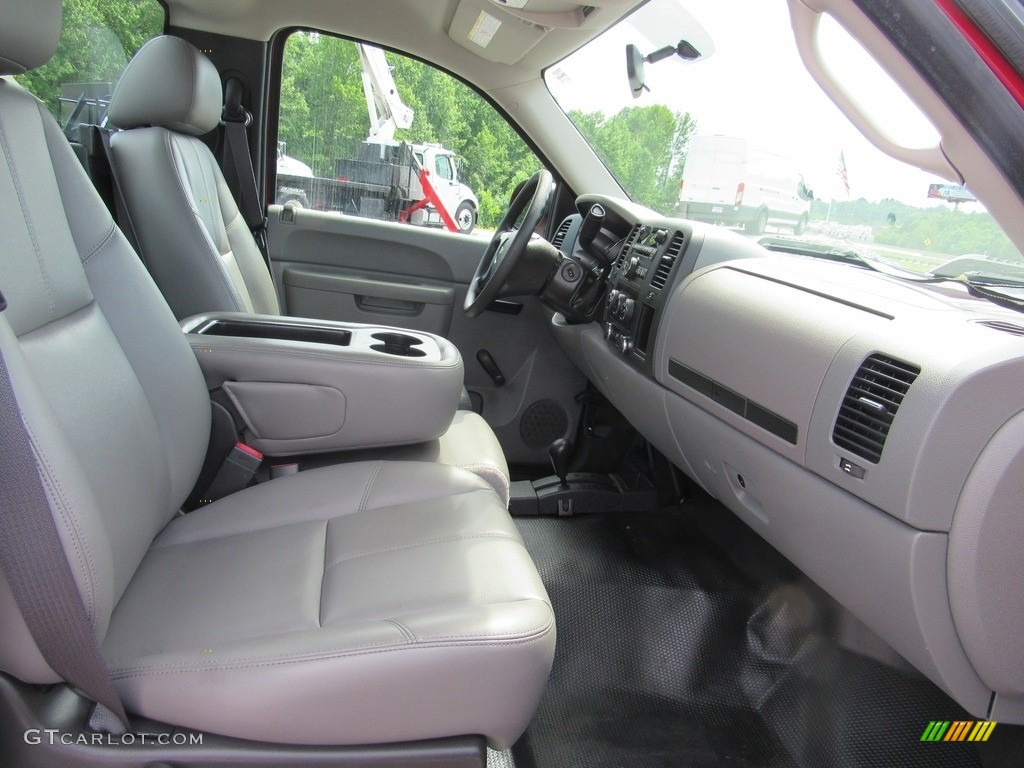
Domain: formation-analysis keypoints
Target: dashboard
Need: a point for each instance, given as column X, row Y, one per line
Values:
column 869, row 427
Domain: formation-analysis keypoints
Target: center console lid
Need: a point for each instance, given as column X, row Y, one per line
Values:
column 310, row 386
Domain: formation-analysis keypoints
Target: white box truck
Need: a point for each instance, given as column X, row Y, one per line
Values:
column 726, row 181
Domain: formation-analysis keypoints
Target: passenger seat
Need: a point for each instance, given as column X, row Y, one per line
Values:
column 366, row 603
column 194, row 240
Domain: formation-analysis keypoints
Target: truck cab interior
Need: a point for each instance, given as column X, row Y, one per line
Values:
column 321, row 469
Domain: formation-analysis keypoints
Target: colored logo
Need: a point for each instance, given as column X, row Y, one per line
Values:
column 958, row 730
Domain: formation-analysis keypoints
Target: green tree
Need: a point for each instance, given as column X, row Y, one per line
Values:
column 323, row 113
column 97, row 40
column 644, row 147
column 323, row 116
column 941, row 230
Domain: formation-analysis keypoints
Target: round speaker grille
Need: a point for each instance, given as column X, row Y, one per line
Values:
column 543, row 422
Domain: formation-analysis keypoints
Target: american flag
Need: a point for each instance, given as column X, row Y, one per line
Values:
column 841, row 173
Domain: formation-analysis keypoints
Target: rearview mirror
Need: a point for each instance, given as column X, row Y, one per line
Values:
column 635, row 70
column 635, row 62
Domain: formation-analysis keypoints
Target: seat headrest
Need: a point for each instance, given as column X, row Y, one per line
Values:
column 29, row 33
column 170, row 84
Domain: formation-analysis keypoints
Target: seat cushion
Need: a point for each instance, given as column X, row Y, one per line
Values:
column 469, row 444
column 404, row 607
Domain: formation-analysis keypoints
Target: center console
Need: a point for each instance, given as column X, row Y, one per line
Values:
column 638, row 285
column 312, row 386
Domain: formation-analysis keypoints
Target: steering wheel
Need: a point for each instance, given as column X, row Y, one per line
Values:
column 509, row 243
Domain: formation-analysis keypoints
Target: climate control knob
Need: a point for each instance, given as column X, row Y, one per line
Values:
column 632, row 267
column 626, row 310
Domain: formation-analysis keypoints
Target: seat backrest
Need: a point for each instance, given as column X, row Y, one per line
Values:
column 108, row 388
column 192, row 236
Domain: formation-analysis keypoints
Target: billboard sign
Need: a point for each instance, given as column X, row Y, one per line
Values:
column 952, row 193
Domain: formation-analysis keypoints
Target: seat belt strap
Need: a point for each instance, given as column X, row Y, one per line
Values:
column 239, row 173
column 37, row 569
column 236, row 472
column 124, row 218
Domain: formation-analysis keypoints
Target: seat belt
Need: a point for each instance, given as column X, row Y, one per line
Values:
column 37, row 569
column 242, row 181
column 120, row 212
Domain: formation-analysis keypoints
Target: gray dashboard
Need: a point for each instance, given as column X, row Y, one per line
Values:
column 870, row 428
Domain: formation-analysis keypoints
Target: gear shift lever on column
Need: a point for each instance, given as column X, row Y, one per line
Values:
column 560, row 451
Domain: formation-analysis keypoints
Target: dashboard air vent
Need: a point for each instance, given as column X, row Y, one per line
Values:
column 667, row 261
column 870, row 405
column 1004, row 326
column 627, row 246
column 559, row 237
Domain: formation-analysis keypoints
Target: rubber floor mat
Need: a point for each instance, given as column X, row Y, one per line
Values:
column 686, row 640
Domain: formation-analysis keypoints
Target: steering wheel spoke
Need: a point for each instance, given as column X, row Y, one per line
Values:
column 507, row 246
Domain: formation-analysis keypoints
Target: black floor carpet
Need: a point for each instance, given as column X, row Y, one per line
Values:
column 685, row 640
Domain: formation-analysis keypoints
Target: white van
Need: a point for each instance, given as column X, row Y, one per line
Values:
column 725, row 181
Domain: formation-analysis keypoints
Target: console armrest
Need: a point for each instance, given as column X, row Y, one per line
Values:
column 310, row 386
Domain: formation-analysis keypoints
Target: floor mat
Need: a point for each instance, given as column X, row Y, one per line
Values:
column 685, row 640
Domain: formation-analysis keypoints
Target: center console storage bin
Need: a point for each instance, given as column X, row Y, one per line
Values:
column 308, row 386
column 275, row 329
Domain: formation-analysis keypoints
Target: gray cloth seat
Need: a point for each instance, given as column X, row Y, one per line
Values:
column 368, row 602
column 190, row 232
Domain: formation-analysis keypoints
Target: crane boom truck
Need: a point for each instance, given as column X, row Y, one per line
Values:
column 385, row 107
column 388, row 179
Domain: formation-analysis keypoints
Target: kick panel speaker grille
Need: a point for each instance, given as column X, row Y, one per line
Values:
column 543, row 422
column 870, row 405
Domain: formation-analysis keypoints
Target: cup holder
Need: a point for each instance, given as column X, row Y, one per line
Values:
column 399, row 344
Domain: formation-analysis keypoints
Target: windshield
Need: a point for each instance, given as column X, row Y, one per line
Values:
column 730, row 129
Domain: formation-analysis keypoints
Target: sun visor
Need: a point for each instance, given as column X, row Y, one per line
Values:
column 491, row 33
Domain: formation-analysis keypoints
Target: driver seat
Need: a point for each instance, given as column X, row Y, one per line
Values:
column 194, row 240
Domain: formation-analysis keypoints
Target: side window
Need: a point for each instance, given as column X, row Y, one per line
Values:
column 443, row 166
column 97, row 41
column 368, row 133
